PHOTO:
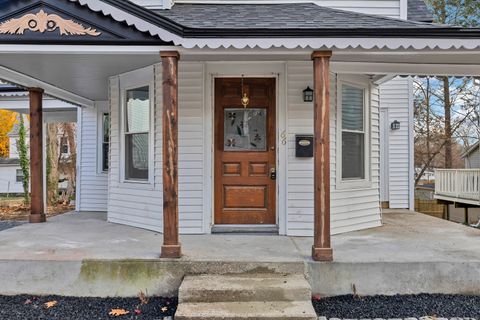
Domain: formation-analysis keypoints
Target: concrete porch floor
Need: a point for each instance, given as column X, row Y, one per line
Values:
column 82, row 254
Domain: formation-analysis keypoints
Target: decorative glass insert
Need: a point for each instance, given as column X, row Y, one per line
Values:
column 245, row 129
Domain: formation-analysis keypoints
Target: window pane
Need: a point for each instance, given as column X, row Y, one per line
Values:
column 352, row 108
column 106, row 127
column 19, row 175
column 353, row 155
column 245, row 129
column 138, row 110
column 105, row 149
column 136, row 162
column 105, row 140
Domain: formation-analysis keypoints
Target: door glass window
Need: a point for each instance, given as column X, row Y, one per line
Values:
column 245, row 129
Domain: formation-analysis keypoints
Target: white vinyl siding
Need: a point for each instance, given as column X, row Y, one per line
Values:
column 395, row 97
column 389, row 8
column 142, row 207
column 473, row 160
column 349, row 210
column 93, row 186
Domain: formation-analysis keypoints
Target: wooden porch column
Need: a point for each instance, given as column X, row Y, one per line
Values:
column 37, row 210
column 321, row 250
column 171, row 246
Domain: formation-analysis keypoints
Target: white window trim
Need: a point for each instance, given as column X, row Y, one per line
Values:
column 101, row 109
column 364, row 84
column 132, row 80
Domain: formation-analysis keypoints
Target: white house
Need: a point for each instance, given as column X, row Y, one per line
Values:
column 196, row 116
column 11, row 175
column 472, row 157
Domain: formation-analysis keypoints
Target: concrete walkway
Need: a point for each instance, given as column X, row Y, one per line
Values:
column 427, row 253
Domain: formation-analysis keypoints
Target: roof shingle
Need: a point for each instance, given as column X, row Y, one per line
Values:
column 278, row 16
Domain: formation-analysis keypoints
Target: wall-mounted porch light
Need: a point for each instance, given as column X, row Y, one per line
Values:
column 308, row 95
column 395, row 125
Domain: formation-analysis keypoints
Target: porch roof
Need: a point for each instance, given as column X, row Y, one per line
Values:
column 283, row 25
column 293, row 19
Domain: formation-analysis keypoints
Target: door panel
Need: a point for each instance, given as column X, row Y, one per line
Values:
column 245, row 151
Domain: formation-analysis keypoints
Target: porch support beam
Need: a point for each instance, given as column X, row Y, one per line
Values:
column 321, row 250
column 171, row 246
column 37, row 210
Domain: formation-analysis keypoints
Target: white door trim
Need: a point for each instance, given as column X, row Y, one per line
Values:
column 248, row 69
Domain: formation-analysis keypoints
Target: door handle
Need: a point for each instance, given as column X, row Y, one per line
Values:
column 273, row 173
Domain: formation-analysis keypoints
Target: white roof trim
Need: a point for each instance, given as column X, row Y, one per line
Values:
column 289, row 43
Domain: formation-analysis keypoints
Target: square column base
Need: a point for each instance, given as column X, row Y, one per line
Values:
column 322, row 254
column 171, row 251
column 37, row 218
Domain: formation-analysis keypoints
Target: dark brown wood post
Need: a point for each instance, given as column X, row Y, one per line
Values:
column 321, row 250
column 37, row 210
column 171, row 246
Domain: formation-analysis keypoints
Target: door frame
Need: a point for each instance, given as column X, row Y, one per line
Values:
column 250, row 69
column 254, row 215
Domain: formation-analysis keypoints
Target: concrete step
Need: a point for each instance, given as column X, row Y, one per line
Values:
column 281, row 310
column 244, row 287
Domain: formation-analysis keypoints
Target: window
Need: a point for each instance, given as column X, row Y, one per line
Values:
column 63, row 145
column 353, row 133
column 137, row 127
column 19, row 175
column 105, row 140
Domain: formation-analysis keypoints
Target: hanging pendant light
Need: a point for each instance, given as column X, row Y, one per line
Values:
column 245, row 100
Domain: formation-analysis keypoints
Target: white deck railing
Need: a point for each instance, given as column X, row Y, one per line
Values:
column 459, row 184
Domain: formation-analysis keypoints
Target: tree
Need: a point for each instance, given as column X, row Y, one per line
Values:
column 24, row 158
column 446, row 108
column 53, row 158
column 68, row 163
column 431, row 132
column 464, row 13
column 7, row 120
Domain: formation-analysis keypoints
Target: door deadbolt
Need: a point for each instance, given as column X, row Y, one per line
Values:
column 273, row 173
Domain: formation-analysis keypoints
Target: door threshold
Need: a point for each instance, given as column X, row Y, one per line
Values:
column 246, row 228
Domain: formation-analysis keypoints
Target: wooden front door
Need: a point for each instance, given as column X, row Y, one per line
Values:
column 245, row 161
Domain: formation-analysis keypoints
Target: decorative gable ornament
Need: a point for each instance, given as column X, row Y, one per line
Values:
column 42, row 22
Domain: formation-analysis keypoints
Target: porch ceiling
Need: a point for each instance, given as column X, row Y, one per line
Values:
column 83, row 74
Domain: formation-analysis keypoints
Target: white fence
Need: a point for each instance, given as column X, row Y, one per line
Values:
column 459, row 184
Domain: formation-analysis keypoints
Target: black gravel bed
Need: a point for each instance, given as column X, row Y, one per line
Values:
column 4, row 225
column 24, row 307
column 399, row 306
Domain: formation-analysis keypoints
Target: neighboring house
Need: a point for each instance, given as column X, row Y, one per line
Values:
column 11, row 175
column 244, row 124
column 472, row 156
